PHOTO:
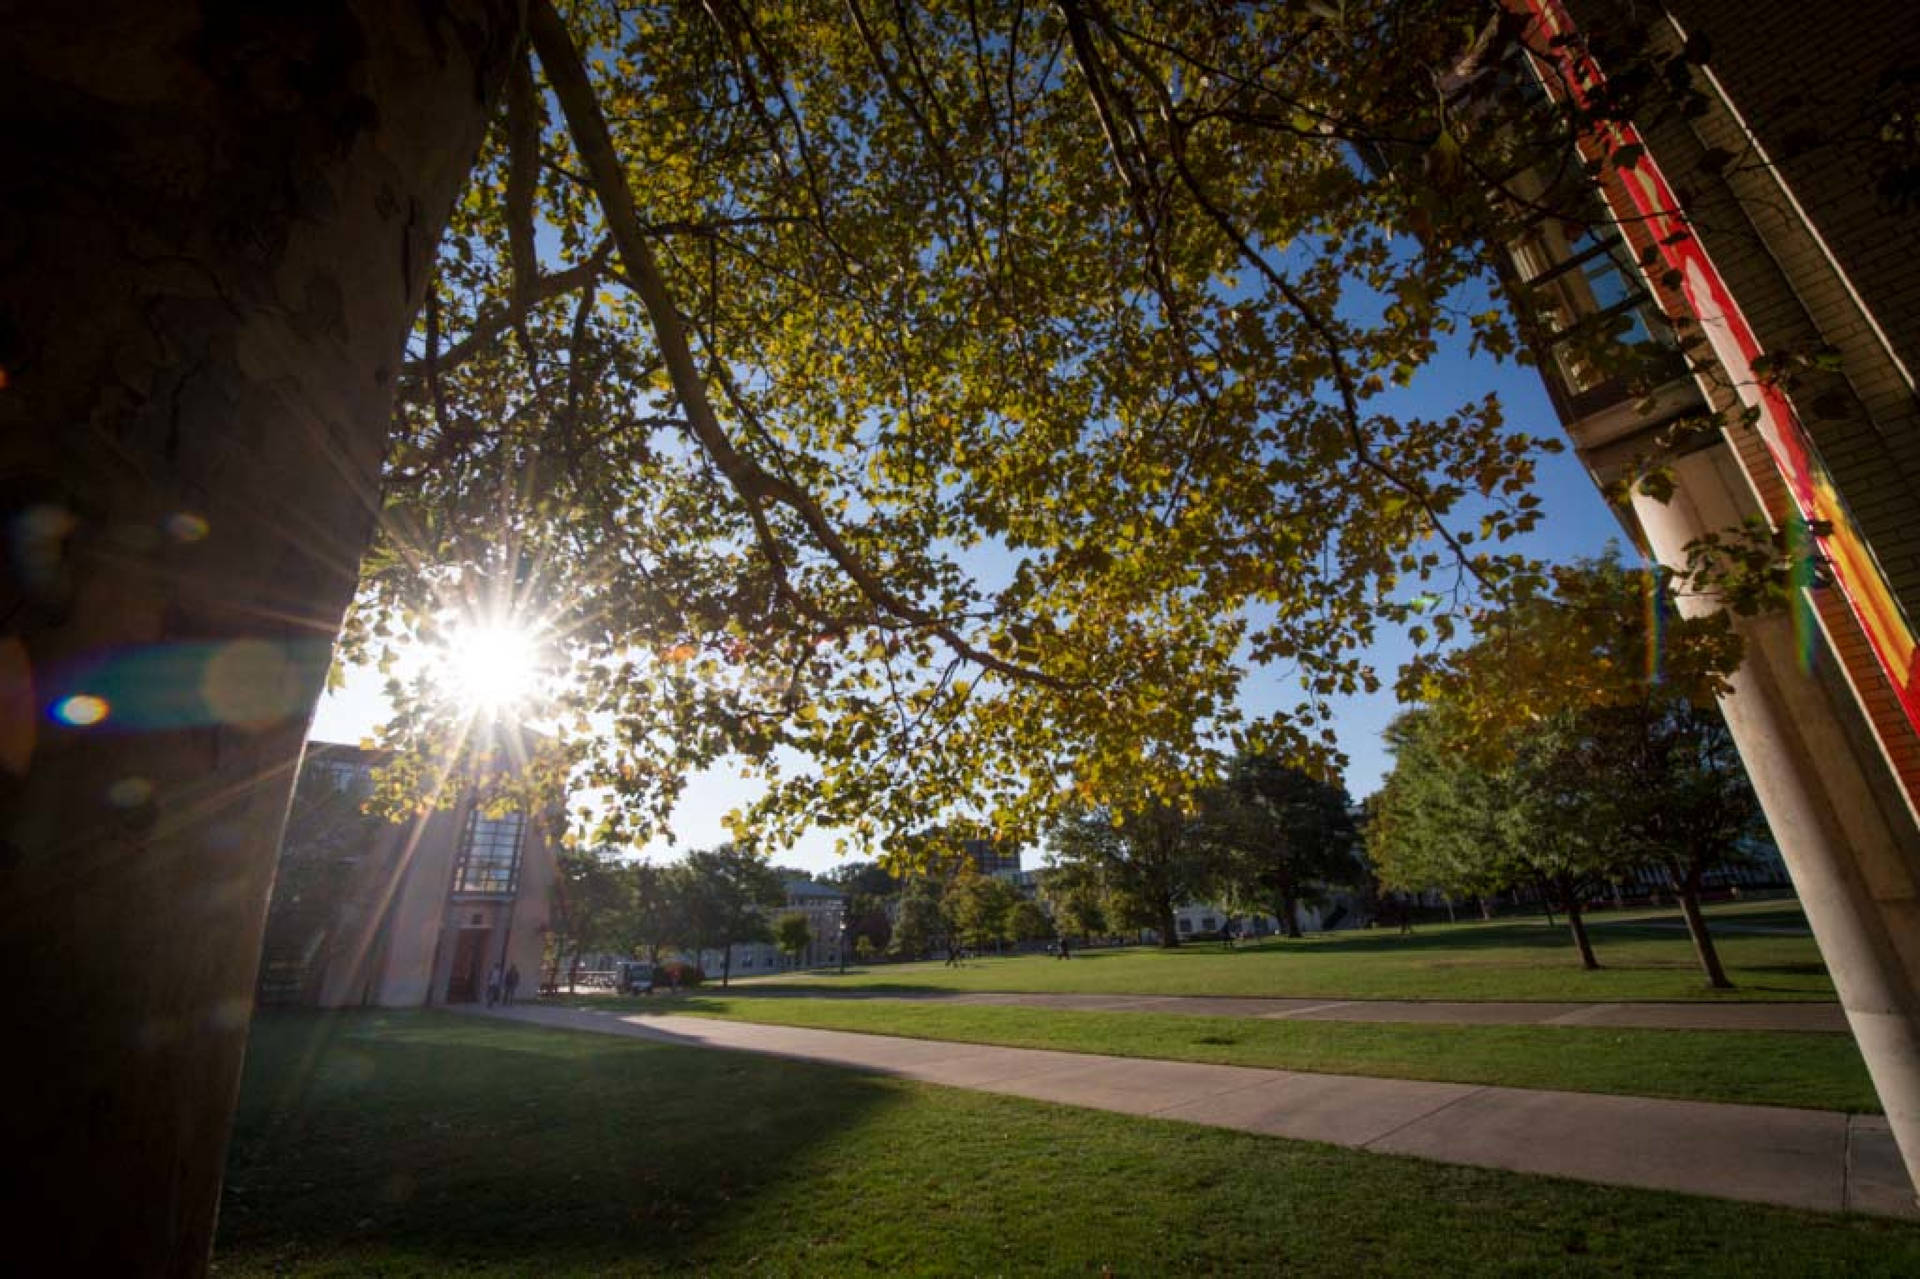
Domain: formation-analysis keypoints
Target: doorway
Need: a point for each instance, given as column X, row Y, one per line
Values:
column 468, row 977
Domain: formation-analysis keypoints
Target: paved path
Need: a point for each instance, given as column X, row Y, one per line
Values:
column 1728, row 1016
column 1802, row 1158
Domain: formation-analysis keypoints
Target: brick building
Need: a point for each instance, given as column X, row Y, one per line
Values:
column 1771, row 237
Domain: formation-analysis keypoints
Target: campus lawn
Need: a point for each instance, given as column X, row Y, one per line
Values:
column 1819, row 1071
column 433, row 1144
column 1644, row 956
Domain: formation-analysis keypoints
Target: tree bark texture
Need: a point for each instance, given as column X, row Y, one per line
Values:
column 1169, row 927
column 216, row 223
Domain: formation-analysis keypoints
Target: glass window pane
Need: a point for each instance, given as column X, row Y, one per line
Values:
column 490, row 858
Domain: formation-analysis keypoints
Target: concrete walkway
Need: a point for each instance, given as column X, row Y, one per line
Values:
column 1800, row 1158
column 1826, row 1018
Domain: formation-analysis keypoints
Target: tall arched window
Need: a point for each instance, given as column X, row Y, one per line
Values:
column 490, row 854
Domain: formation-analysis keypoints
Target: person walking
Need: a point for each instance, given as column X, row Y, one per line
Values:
column 493, row 985
column 510, row 984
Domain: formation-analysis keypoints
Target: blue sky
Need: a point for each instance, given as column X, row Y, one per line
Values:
column 1576, row 523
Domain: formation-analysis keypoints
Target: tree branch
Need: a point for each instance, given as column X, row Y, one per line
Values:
column 492, row 321
column 523, row 160
column 1322, row 327
column 755, row 485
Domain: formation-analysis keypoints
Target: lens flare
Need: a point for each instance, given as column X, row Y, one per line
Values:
column 82, row 710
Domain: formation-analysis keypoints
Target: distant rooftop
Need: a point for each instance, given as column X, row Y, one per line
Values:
column 812, row 888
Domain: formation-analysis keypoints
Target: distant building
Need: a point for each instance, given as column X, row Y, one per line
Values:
column 1027, row 881
column 366, row 912
column 991, row 857
column 824, row 908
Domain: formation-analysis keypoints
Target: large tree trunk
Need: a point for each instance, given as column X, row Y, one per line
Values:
column 218, row 225
column 1686, row 886
column 1169, row 926
column 1289, row 913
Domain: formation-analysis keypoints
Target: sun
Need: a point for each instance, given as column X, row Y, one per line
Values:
column 489, row 669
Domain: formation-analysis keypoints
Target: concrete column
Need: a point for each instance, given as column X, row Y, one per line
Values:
column 1840, row 818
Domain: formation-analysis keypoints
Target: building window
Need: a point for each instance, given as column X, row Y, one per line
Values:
column 1588, row 298
column 346, row 777
column 1186, row 925
column 490, row 855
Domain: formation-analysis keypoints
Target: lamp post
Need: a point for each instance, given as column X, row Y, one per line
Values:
column 844, row 904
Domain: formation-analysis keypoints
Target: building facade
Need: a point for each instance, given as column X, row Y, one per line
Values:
column 1767, row 235
column 824, row 909
column 370, row 913
column 992, row 857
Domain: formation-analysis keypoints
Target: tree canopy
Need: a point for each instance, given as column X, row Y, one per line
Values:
column 950, row 405
column 1283, row 833
column 1140, row 864
column 792, row 934
column 1574, row 744
column 725, row 895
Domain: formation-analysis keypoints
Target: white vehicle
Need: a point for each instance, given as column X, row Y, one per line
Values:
column 633, row 977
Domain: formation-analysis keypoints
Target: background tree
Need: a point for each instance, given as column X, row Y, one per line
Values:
column 1530, row 813
column 862, row 879
column 1282, row 832
column 792, row 935
column 726, row 895
column 655, row 919
column 592, row 901
column 922, row 923
column 1437, row 823
column 867, row 918
column 1028, row 922
column 1565, row 690
column 1147, row 862
column 1557, row 833
column 1677, row 795
column 1077, row 897
column 982, row 908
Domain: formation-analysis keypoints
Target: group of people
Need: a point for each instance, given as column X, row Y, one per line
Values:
column 501, row 985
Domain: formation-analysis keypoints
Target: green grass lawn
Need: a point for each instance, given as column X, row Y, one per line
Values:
column 1821, row 1071
column 423, row 1144
column 1643, row 958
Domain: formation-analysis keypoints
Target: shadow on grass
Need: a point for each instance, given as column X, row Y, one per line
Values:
column 1527, row 935
column 462, row 1142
